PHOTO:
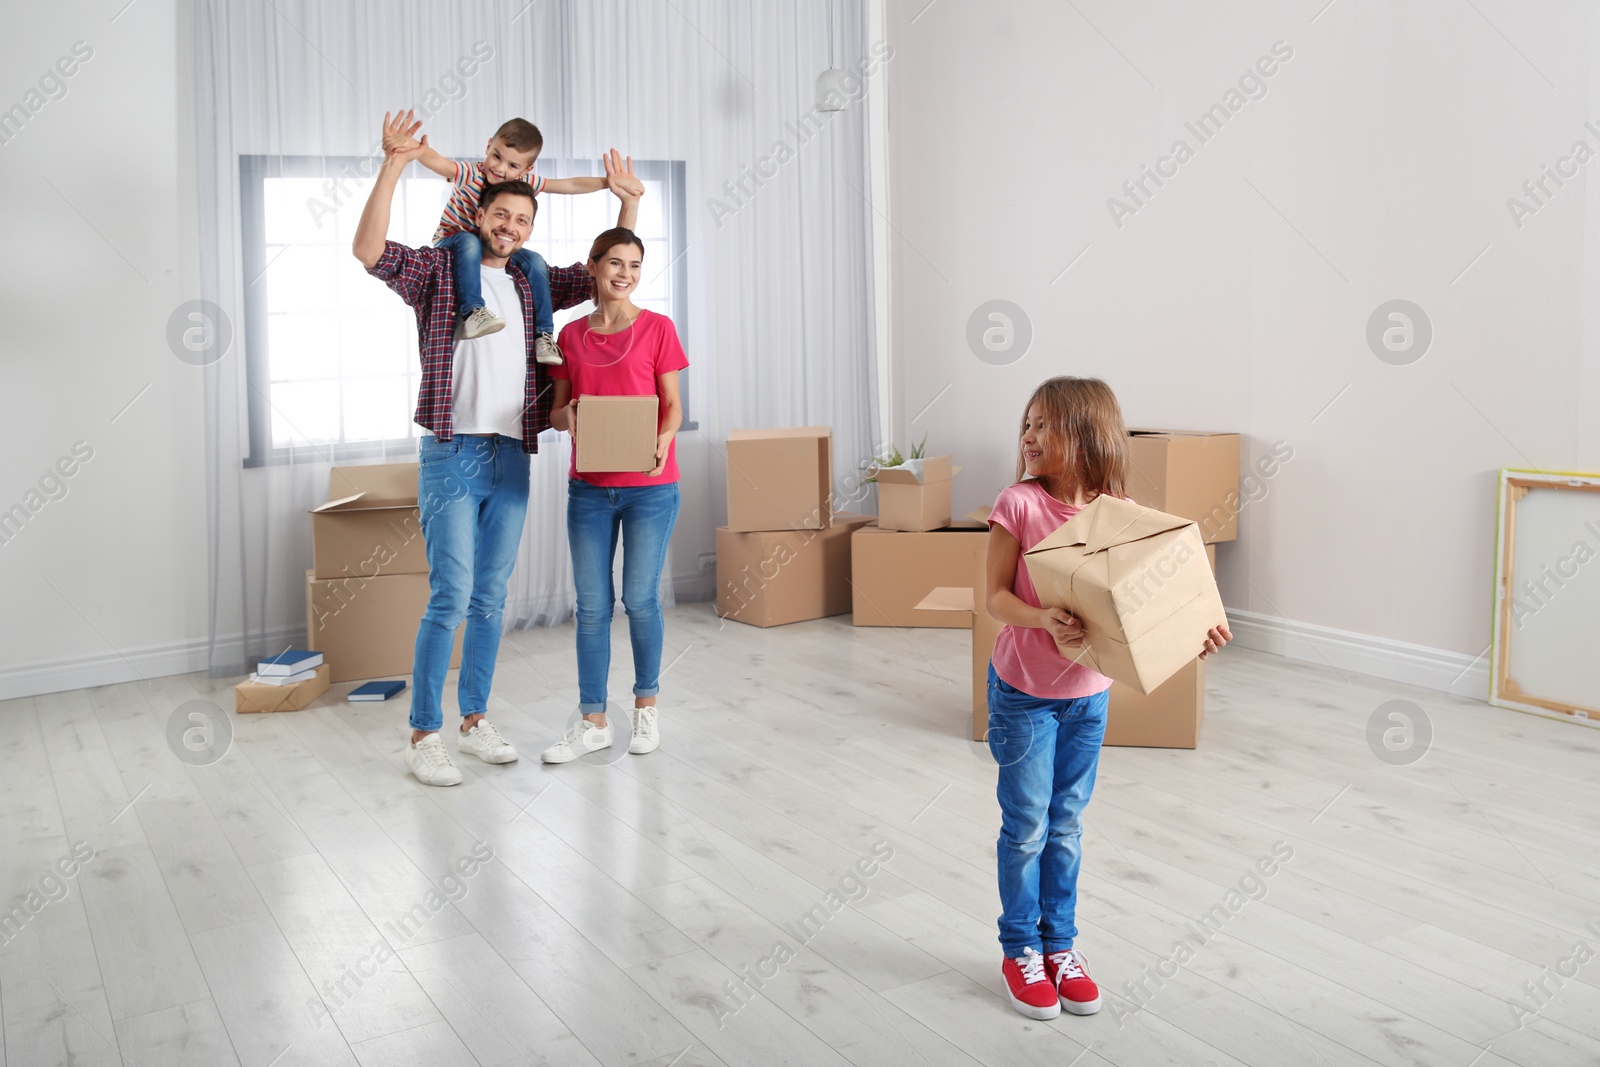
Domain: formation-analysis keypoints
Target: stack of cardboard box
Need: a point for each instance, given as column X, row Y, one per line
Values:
column 368, row 586
column 785, row 554
column 914, row 547
column 1195, row 475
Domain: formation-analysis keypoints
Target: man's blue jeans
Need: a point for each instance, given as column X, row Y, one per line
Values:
column 1048, row 750
column 473, row 495
column 466, row 253
column 644, row 517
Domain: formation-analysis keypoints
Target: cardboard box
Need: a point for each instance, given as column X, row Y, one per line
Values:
column 367, row 627
column 1192, row 475
column 916, row 495
column 1139, row 581
column 617, row 434
column 775, row 578
column 891, row 572
column 251, row 696
column 370, row 524
column 1167, row 718
column 780, row 479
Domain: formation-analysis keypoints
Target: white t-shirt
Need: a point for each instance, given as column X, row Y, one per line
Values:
column 489, row 374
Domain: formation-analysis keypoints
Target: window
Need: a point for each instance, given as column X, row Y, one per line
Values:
column 331, row 352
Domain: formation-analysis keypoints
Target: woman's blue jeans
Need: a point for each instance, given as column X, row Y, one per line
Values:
column 1048, row 750
column 466, row 253
column 472, row 492
column 643, row 517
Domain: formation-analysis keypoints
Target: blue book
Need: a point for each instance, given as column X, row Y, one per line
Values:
column 290, row 661
column 376, row 690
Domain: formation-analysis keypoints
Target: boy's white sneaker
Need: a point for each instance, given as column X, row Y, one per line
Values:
column 431, row 763
column 583, row 738
column 485, row 742
column 646, row 737
column 481, row 323
column 546, row 351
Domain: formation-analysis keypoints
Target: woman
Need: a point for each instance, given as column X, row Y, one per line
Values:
column 618, row 350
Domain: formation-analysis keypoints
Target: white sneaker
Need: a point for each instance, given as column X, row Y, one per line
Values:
column 485, row 742
column 646, row 738
column 430, row 762
column 481, row 323
column 583, row 738
column 546, row 351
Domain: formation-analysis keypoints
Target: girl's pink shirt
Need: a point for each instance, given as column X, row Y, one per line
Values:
column 1026, row 656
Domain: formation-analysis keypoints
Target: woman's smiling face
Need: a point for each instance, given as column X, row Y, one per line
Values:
column 616, row 271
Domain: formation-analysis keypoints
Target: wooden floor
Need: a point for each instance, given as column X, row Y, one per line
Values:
column 303, row 902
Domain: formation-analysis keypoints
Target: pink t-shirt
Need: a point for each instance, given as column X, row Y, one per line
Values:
column 1026, row 656
column 626, row 363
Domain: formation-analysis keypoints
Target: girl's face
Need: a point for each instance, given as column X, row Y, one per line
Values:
column 1042, row 456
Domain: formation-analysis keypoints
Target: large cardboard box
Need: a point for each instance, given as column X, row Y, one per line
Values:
column 370, row 524
column 251, row 696
column 617, row 434
column 774, row 578
column 780, row 479
column 1167, row 718
column 1190, row 474
column 916, row 495
column 891, row 572
column 367, row 627
column 1139, row 581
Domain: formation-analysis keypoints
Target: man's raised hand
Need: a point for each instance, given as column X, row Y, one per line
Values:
column 399, row 136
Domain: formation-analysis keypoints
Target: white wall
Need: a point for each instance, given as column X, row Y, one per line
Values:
column 96, row 188
column 1377, row 166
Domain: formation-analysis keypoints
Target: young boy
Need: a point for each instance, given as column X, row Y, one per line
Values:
column 509, row 156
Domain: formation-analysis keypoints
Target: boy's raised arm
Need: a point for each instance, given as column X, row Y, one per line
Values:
column 401, row 136
column 574, row 185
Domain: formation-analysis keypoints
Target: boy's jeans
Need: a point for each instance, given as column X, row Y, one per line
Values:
column 473, row 494
column 466, row 250
column 1048, row 750
column 644, row 516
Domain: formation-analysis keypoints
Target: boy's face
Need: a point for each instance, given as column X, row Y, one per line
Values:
column 506, row 164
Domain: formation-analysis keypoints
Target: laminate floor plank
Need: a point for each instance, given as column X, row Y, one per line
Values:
column 620, row 910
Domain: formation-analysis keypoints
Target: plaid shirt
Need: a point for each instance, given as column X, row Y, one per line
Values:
column 424, row 279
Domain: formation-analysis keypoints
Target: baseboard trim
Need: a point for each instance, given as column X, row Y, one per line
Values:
column 1398, row 661
column 696, row 588
column 1377, row 657
column 136, row 664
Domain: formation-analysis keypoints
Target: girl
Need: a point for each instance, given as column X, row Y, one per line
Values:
column 1047, row 715
column 618, row 350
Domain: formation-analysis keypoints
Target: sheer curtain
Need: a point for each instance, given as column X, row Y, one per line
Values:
column 767, row 209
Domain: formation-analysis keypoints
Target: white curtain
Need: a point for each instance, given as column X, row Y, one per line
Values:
column 774, row 229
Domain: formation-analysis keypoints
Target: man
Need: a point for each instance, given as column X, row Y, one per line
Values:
column 485, row 401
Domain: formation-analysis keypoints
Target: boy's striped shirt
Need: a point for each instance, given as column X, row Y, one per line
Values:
column 461, row 212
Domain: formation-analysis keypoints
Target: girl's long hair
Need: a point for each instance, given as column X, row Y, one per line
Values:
column 1085, row 420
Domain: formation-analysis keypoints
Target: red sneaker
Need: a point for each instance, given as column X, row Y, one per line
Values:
column 1069, row 972
column 1030, row 989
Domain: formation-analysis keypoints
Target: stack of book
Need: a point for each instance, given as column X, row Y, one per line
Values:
column 290, row 667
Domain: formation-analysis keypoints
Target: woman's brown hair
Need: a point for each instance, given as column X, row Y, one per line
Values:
column 617, row 235
column 1083, row 416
